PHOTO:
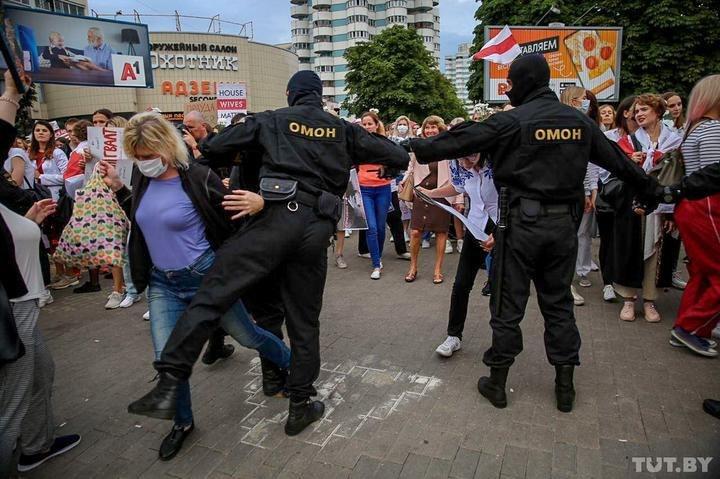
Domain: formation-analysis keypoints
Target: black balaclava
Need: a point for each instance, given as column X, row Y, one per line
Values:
column 528, row 74
column 302, row 84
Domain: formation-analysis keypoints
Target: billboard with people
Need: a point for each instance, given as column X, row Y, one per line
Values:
column 588, row 57
column 73, row 50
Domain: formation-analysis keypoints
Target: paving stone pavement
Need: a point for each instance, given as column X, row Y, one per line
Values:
column 394, row 408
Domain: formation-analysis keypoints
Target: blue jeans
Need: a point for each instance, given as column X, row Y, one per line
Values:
column 376, row 200
column 170, row 293
column 127, row 276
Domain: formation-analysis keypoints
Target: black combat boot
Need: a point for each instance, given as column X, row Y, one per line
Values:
column 274, row 379
column 302, row 414
column 493, row 387
column 161, row 401
column 564, row 390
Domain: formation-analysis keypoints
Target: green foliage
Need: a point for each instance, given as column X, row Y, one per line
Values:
column 667, row 44
column 23, row 119
column 397, row 75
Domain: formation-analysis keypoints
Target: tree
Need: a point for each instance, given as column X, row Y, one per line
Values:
column 397, row 75
column 667, row 44
column 23, row 119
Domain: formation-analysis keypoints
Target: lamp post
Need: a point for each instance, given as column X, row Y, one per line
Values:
column 552, row 9
column 596, row 6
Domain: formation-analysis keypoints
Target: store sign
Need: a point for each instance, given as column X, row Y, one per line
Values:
column 197, row 90
column 173, row 116
column 231, row 100
column 207, row 108
column 192, row 57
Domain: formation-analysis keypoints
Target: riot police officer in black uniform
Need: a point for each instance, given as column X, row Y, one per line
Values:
column 539, row 153
column 306, row 159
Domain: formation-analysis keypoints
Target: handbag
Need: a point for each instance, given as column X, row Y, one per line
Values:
column 97, row 231
column 406, row 193
column 670, row 169
column 39, row 191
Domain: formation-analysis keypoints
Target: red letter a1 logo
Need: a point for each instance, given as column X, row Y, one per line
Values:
column 129, row 70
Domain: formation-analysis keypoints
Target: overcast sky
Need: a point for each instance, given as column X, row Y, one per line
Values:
column 271, row 18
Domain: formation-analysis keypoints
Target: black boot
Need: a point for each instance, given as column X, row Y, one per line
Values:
column 493, row 387
column 161, row 401
column 564, row 390
column 712, row 407
column 302, row 414
column 216, row 348
column 274, row 379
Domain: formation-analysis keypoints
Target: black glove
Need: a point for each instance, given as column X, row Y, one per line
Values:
column 668, row 194
column 405, row 143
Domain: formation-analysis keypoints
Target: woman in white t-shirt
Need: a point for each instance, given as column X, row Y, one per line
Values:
column 21, row 169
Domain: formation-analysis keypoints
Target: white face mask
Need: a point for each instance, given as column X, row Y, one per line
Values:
column 584, row 106
column 402, row 129
column 152, row 168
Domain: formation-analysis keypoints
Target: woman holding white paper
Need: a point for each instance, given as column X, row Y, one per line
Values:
column 473, row 176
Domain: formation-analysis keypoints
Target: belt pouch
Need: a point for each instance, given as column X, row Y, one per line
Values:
column 529, row 210
column 278, row 189
column 329, row 206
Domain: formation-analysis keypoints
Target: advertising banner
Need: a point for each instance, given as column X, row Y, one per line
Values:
column 106, row 143
column 587, row 57
column 72, row 50
column 231, row 100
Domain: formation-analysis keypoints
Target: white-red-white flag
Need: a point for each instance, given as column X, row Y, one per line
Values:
column 502, row 48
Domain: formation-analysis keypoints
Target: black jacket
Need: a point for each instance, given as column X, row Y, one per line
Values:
column 306, row 144
column 539, row 150
column 206, row 192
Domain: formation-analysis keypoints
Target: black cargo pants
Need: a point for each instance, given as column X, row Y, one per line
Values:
column 541, row 248
column 289, row 245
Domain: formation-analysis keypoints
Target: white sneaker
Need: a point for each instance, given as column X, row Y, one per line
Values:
column 146, row 316
column 347, row 233
column 609, row 293
column 45, row 299
column 405, row 256
column 340, row 262
column 425, row 244
column 451, row 344
column 577, row 299
column 375, row 274
column 448, row 247
column 407, row 238
column 364, row 255
column 594, row 267
column 459, row 245
column 129, row 300
column 677, row 281
column 114, row 300
column 584, row 282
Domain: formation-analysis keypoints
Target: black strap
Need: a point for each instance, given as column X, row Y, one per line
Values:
column 637, row 146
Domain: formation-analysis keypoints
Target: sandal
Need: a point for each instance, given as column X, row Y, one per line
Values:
column 438, row 278
column 410, row 277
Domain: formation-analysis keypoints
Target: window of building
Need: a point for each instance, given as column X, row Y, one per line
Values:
column 322, row 23
column 357, row 18
column 356, row 3
column 396, row 3
column 397, row 19
column 358, row 34
column 324, row 69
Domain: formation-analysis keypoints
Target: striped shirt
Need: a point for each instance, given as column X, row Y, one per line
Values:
column 702, row 146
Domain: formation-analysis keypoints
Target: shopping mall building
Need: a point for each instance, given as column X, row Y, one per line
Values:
column 186, row 68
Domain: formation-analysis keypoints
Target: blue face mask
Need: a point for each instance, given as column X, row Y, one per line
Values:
column 584, row 106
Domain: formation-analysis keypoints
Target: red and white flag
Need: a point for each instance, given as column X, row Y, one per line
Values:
column 502, row 48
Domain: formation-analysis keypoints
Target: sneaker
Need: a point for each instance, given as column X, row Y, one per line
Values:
column 405, row 256
column 87, row 287
column 694, row 343
column 448, row 247
column 347, row 233
column 609, row 293
column 45, row 299
column 577, row 299
column 340, row 262
column 425, row 244
column 61, row 445
column 129, row 300
column 711, row 343
column 627, row 313
column 364, row 255
column 594, row 267
column 486, row 290
column 64, row 282
column 407, row 238
column 651, row 314
column 459, row 246
column 677, row 281
column 584, row 282
column 375, row 274
column 114, row 300
column 451, row 344
column 146, row 316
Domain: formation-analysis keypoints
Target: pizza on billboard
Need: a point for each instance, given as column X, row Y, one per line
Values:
column 588, row 57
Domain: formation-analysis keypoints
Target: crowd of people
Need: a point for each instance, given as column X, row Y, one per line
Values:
column 183, row 207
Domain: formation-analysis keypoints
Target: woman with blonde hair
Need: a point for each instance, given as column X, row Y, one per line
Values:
column 607, row 117
column 698, row 218
column 177, row 224
column 403, row 129
column 425, row 217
